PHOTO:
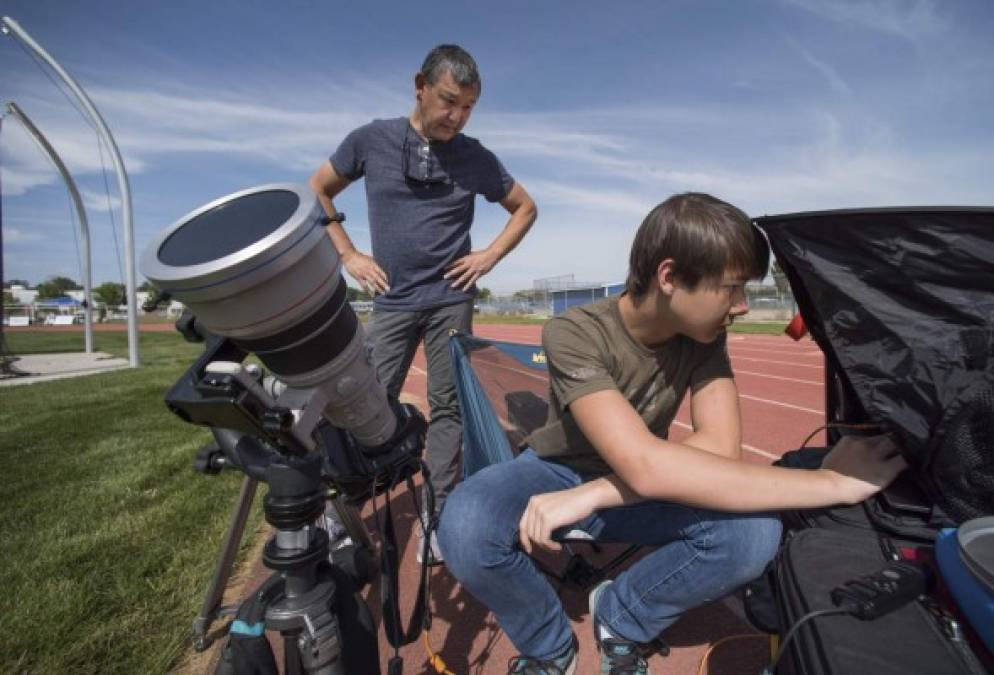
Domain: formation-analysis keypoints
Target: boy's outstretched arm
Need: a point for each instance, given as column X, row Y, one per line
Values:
column 662, row 470
column 648, row 467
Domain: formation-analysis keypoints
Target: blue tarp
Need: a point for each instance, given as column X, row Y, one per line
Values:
column 485, row 437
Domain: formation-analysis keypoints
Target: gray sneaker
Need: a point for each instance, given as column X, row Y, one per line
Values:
column 618, row 655
column 434, row 553
column 562, row 665
column 338, row 536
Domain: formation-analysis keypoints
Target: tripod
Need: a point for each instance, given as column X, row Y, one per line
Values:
column 326, row 630
column 309, row 600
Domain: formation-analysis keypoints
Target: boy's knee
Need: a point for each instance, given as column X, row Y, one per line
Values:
column 753, row 543
column 460, row 524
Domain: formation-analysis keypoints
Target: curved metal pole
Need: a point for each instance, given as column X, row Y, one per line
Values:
column 9, row 26
column 83, row 225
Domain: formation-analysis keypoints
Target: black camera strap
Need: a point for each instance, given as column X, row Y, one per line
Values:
column 420, row 618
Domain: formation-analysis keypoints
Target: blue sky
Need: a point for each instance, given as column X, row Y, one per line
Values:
column 600, row 109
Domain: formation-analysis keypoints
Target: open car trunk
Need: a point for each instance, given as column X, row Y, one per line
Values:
column 901, row 301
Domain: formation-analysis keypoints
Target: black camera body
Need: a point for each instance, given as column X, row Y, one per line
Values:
column 258, row 431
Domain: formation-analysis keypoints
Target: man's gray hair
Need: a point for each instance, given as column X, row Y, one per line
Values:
column 454, row 59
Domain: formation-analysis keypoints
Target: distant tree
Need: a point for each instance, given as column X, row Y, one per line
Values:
column 147, row 287
column 110, row 293
column 484, row 294
column 56, row 287
column 16, row 282
column 9, row 299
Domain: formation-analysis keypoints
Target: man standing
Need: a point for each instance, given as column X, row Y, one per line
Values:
column 422, row 176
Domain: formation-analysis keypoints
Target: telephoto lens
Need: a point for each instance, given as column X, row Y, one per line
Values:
column 258, row 267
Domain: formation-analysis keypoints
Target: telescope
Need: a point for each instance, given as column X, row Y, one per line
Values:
column 259, row 276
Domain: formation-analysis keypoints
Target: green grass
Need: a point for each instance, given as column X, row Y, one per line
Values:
column 770, row 328
column 109, row 536
column 516, row 320
column 39, row 342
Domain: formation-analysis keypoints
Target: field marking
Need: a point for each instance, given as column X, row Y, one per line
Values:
column 780, row 377
column 785, row 405
column 745, row 446
column 419, row 371
column 807, row 353
column 785, row 363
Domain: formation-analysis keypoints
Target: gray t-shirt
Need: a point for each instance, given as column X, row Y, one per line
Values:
column 418, row 228
column 589, row 349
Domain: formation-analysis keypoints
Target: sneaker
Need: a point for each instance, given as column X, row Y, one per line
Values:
column 338, row 536
column 434, row 553
column 618, row 655
column 563, row 665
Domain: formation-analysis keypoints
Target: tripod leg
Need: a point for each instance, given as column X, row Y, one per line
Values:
column 360, row 647
column 292, row 664
column 222, row 569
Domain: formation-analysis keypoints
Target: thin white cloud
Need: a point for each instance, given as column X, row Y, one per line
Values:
column 909, row 19
column 835, row 81
column 577, row 197
column 17, row 235
column 100, row 201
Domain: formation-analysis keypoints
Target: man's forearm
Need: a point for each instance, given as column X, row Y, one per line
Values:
column 340, row 238
column 326, row 184
column 514, row 231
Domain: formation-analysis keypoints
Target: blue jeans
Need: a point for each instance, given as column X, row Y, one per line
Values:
column 699, row 555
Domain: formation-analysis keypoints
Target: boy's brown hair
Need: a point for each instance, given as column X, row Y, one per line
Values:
column 703, row 235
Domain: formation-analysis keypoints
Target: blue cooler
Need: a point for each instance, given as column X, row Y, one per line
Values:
column 966, row 563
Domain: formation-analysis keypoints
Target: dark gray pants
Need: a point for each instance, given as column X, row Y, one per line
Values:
column 394, row 337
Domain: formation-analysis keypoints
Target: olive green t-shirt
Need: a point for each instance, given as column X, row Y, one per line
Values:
column 588, row 349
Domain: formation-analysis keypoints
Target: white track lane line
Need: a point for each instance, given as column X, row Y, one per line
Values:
column 807, row 353
column 745, row 446
column 818, row 383
column 784, row 405
column 785, row 363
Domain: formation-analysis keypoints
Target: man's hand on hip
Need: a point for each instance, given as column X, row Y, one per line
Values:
column 469, row 268
column 369, row 275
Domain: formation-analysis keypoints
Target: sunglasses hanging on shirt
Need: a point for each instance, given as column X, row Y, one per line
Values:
column 421, row 163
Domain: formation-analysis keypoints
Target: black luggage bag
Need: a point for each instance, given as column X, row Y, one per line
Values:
column 921, row 637
column 901, row 302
